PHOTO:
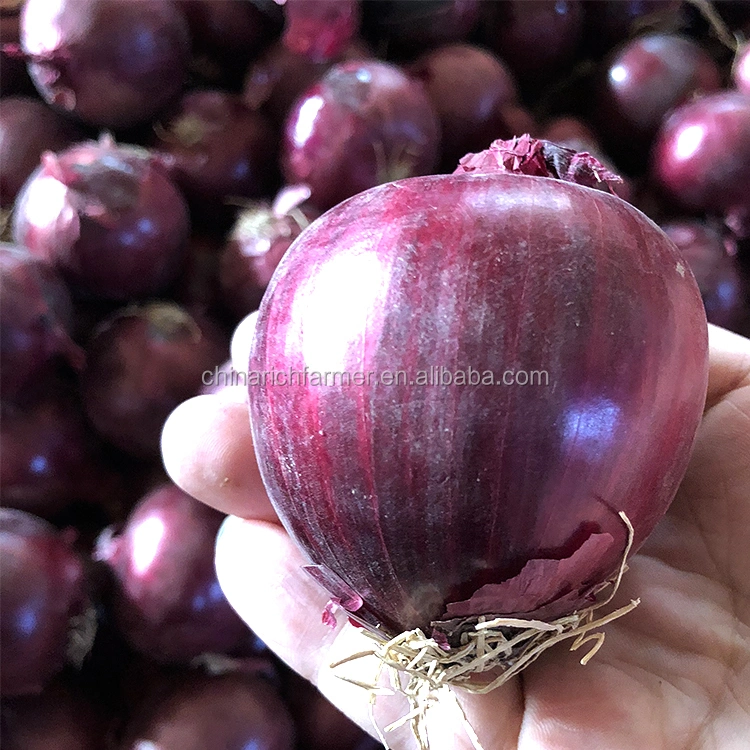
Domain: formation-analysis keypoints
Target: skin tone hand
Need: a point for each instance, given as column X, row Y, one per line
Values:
column 672, row 675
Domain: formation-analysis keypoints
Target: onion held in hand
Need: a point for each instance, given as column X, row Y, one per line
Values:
column 424, row 504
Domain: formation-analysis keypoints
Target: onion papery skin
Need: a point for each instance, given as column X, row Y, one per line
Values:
column 113, row 63
column 413, row 497
column 108, row 217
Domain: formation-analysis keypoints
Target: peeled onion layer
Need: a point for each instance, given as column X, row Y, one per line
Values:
column 417, row 504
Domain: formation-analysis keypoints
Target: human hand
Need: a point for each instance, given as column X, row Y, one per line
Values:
column 672, row 675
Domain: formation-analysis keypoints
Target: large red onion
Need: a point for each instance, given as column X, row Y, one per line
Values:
column 417, row 501
column 27, row 129
column 362, row 124
column 230, row 712
column 142, row 363
column 701, row 158
column 470, row 89
column 644, row 80
column 725, row 291
column 260, row 237
column 113, row 63
column 107, row 216
column 42, row 587
column 167, row 602
column 218, row 149
column 320, row 30
column 61, row 718
column 37, row 318
column 49, row 457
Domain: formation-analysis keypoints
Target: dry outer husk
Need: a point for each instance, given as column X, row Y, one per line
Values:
column 424, row 673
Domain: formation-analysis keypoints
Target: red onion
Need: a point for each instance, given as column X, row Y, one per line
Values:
column 142, row 363
column 609, row 22
column 61, row 718
column 37, row 317
column 725, row 292
column 258, row 241
column 218, row 149
column 276, row 79
column 48, row 455
column 113, row 63
column 741, row 70
column 320, row 30
column 27, row 129
column 168, row 603
column 469, row 89
column 701, row 158
column 403, row 27
column 420, row 501
column 42, row 586
column 535, row 37
column 645, row 79
column 363, row 124
column 226, row 36
column 231, row 712
column 107, row 216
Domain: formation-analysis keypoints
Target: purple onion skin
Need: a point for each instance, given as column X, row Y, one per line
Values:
column 15, row 78
column 278, row 77
column 469, row 88
column 142, row 363
column 168, row 603
column 217, row 149
column 363, row 124
column 403, row 28
column 645, row 79
column 253, row 250
column 61, row 718
column 701, row 158
column 28, row 128
column 725, row 292
column 231, row 712
column 197, row 287
column 42, row 586
column 37, row 318
column 112, row 63
column 413, row 497
column 226, row 36
column 741, row 70
column 609, row 22
column 535, row 37
column 49, row 457
column 107, row 217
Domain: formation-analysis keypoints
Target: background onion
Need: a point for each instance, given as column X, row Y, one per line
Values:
column 107, row 217
column 505, row 485
column 42, row 586
column 113, row 63
column 167, row 601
